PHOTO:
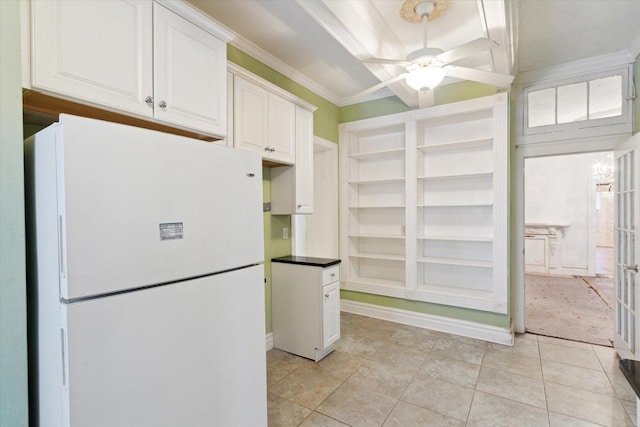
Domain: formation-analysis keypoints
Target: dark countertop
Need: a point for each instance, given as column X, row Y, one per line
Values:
column 631, row 370
column 305, row 260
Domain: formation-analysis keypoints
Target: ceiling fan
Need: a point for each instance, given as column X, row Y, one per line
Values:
column 428, row 66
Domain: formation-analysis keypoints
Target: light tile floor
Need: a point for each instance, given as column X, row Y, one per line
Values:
column 387, row 374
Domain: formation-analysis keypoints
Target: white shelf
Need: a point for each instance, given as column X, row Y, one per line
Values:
column 455, row 205
column 367, row 281
column 377, row 154
column 378, row 207
column 457, row 145
column 445, row 223
column 457, row 176
column 378, row 181
column 376, row 236
column 387, row 257
column 487, row 239
column 460, row 262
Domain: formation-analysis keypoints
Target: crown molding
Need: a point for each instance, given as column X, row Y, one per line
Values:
column 574, row 68
column 199, row 18
column 259, row 81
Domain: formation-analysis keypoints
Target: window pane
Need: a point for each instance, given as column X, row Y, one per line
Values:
column 542, row 107
column 572, row 103
column 605, row 97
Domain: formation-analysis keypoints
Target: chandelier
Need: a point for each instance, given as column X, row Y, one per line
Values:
column 602, row 172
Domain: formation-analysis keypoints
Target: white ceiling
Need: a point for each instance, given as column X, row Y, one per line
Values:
column 560, row 31
column 319, row 43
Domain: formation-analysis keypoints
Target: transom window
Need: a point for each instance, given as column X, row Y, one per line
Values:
column 576, row 102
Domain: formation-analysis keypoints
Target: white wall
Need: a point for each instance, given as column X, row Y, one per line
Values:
column 560, row 190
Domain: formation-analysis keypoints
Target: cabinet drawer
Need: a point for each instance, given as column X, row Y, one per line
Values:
column 330, row 275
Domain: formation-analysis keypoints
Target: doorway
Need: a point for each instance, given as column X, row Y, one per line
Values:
column 569, row 246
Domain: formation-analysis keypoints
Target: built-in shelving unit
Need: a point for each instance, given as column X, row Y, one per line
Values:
column 375, row 245
column 424, row 197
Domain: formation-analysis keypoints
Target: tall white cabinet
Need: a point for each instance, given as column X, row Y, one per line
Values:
column 424, row 204
column 278, row 125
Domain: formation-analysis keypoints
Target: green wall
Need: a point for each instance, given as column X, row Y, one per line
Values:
column 13, row 333
column 377, row 108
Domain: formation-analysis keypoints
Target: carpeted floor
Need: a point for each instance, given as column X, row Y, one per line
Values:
column 569, row 308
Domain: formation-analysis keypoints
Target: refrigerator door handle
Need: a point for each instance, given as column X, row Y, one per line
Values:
column 61, row 257
column 64, row 358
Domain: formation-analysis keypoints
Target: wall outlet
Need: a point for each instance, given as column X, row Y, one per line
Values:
column 285, row 233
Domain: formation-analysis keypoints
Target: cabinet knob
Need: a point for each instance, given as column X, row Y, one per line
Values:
column 148, row 100
column 326, row 295
column 272, row 149
column 162, row 104
column 267, row 149
column 333, row 275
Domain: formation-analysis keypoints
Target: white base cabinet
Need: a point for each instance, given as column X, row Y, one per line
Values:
column 305, row 305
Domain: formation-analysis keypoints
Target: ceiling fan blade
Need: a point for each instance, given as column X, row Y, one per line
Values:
column 398, row 62
column 378, row 86
column 467, row 49
column 488, row 77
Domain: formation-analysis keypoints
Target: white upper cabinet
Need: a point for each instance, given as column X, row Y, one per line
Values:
column 95, row 51
column 279, row 126
column 190, row 87
column 292, row 186
column 264, row 122
column 251, row 105
column 132, row 56
column 281, row 129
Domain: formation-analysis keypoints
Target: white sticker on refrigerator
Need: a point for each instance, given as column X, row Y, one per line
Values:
column 171, row 231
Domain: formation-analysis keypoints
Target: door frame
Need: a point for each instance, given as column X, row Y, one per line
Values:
column 621, row 346
column 519, row 153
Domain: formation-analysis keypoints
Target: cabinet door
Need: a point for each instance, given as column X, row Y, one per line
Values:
column 304, row 162
column 330, row 314
column 189, row 74
column 281, row 130
column 250, row 112
column 292, row 186
column 94, row 51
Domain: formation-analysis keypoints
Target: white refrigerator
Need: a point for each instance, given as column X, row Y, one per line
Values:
column 146, row 288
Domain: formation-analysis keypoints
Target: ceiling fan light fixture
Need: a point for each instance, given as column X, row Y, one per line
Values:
column 425, row 78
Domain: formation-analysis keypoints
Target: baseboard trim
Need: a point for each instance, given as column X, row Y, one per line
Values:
column 429, row 321
column 269, row 341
